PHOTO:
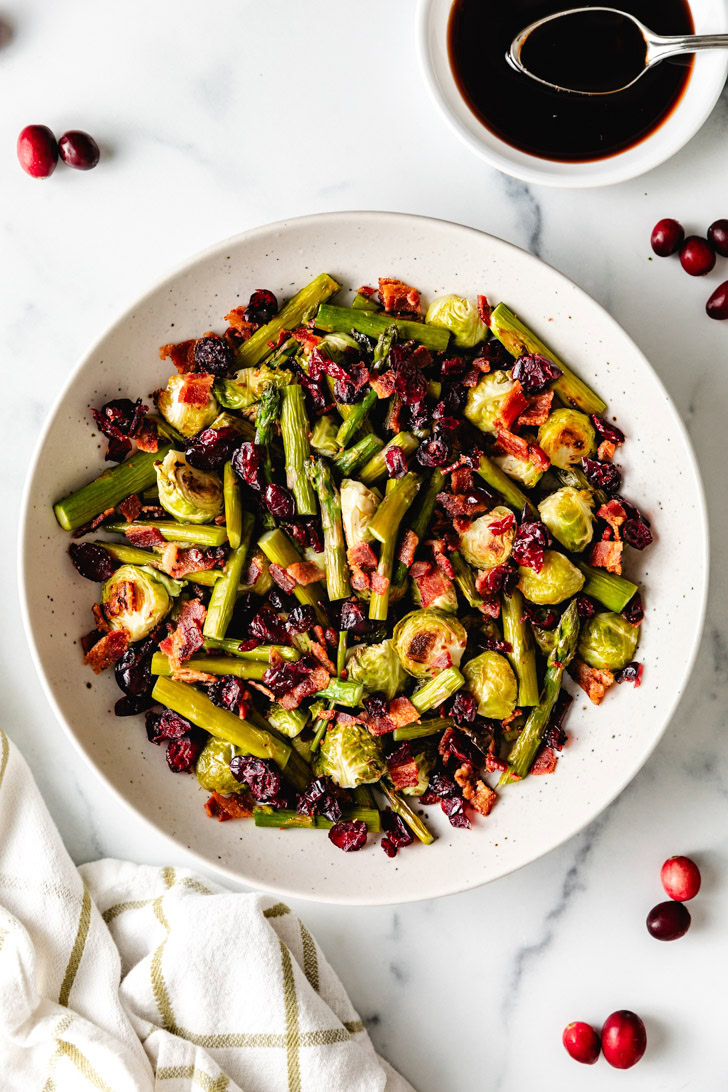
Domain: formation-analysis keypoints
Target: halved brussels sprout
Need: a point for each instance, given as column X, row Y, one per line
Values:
column 246, row 387
column 486, row 398
column 558, row 579
column 427, row 641
column 490, row 677
column 290, row 722
column 567, row 436
column 213, row 766
column 134, row 600
column 187, row 417
column 608, row 641
column 485, row 544
column 522, row 470
column 323, row 437
column 350, row 755
column 459, row 315
column 448, row 601
column 358, row 505
column 568, row 515
column 188, row 494
column 378, row 668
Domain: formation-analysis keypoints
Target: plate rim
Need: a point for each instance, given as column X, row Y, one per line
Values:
column 459, row 885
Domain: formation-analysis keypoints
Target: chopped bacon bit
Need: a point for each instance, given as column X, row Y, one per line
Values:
column 403, row 712
column 408, row 547
column 462, row 504
column 545, row 761
column 254, row 570
column 494, row 764
column 187, row 637
column 239, row 323
column 360, row 580
column 605, row 451
column 362, row 556
column 539, row 407
column 107, row 651
column 378, row 583
column 593, row 680
column 153, row 511
column 182, row 355
column 237, row 806
column 461, row 523
column 305, row 572
column 285, row 582
column 383, row 385
column 398, row 297
column 512, row 406
column 420, row 568
column 341, row 717
column 482, row 365
column 431, row 583
column 130, row 507
column 607, row 555
column 262, row 689
column 476, row 792
column 461, row 479
column 100, row 618
column 195, row 390
column 484, row 310
column 190, row 675
column 317, row 680
column 614, row 514
column 394, row 413
column 319, row 651
column 144, row 535
column 521, row 449
column 442, row 561
column 147, row 437
column 94, row 523
column 443, row 661
column 378, row 726
column 306, row 337
column 179, row 563
column 366, row 290
column 403, row 770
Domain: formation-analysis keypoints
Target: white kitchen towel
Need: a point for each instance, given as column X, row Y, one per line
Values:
column 128, row 978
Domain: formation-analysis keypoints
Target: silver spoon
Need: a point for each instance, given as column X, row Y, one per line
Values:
column 657, row 47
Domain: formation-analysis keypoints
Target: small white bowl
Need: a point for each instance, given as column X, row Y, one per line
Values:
column 698, row 99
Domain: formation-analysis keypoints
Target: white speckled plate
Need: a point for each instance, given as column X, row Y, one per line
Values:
column 607, row 746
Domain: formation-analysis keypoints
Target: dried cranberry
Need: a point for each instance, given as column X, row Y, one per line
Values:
column 534, row 372
column 452, row 402
column 636, row 533
column 631, row 673
column 530, row 544
column 454, row 808
column 118, row 420
column 267, row 626
column 585, row 606
column 442, row 785
column 278, row 599
column 320, row 799
column 490, row 643
column 608, row 432
column 279, row 501
column 260, row 775
column 349, row 835
column 214, row 355
column 127, row 706
column 301, row 619
column 262, row 306
column 227, row 692
column 318, row 390
column 604, row 476
column 282, row 677
column 496, row 354
column 453, row 366
column 91, row 561
column 555, row 736
column 464, row 707
column 353, row 618
column 37, row 151
column 433, row 452
column 634, row 612
column 247, row 464
column 407, row 361
column 397, row 835
column 79, row 150
column 166, row 725
column 345, row 391
column 212, row 447
column 183, row 753
column 418, row 415
column 377, row 705
column 395, row 462
column 499, row 578
column 133, row 672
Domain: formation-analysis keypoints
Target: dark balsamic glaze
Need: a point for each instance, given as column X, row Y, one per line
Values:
column 591, row 52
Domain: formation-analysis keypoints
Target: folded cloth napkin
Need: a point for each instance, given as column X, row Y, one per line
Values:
column 124, row 978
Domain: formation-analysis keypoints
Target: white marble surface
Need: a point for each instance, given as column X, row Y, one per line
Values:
column 217, row 117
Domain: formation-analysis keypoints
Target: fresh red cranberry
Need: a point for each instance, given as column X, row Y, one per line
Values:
column 718, row 237
column 37, row 151
column 668, row 920
column 717, row 305
column 667, row 237
column 681, row 878
column 697, row 256
column 624, row 1039
column 349, row 835
column 79, row 150
column 582, row 1042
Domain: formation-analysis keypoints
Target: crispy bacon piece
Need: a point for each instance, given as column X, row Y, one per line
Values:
column 481, row 365
column 407, row 548
column 461, row 479
column 143, row 536
column 397, row 297
column 182, row 355
column 593, row 680
column 484, row 310
column 493, row 764
column 195, row 390
column 607, row 555
column 614, row 514
column 187, row 638
column 317, row 680
column 521, row 449
column 378, row 726
column 443, row 661
column 475, row 791
column 306, row 337
column 102, row 622
column 403, row 712
column 93, row 523
column 237, row 806
column 378, row 583
column 253, row 572
column 539, row 407
column 362, row 562
column 461, row 504
column 403, row 769
column 178, row 562
column 146, row 436
column 431, row 582
column 319, row 651
column 107, row 651
column 191, row 675
column 545, row 761
column 130, row 507
column 285, row 582
column 383, row 385
column 442, row 561
column 605, row 451
column 305, row 572
column 366, row 290
column 239, row 323
column 512, row 406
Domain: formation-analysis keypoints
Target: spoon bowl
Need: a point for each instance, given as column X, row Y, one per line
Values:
column 648, row 48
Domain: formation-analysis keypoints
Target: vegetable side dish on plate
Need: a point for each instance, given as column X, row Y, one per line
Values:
column 358, row 548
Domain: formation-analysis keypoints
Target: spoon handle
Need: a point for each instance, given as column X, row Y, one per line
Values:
column 664, row 46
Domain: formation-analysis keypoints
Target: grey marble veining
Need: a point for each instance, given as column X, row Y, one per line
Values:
column 218, row 117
